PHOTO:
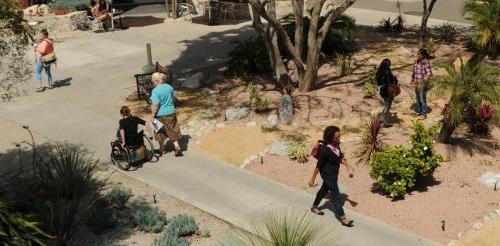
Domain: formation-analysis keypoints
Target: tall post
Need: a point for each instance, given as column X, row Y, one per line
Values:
column 149, row 67
column 167, row 8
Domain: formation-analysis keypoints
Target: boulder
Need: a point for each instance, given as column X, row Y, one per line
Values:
column 77, row 16
column 278, row 148
column 286, row 110
column 236, row 113
column 43, row 10
column 272, row 121
column 31, row 10
column 489, row 179
column 193, row 82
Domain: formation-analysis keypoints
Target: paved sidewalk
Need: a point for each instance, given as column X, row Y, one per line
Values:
column 86, row 112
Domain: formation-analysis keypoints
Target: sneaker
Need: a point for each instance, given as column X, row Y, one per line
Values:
column 422, row 117
column 40, row 89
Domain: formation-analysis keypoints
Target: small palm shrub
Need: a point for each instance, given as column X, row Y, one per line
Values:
column 283, row 227
column 248, row 57
column 298, row 151
column 370, row 84
column 118, row 198
column 484, row 14
column 170, row 239
column 371, row 140
column 431, row 46
column 182, row 225
column 447, row 32
column 149, row 219
column 395, row 25
column 256, row 101
column 396, row 170
column 16, row 230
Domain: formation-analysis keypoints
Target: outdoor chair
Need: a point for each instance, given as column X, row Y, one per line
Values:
column 228, row 9
column 91, row 24
column 186, row 10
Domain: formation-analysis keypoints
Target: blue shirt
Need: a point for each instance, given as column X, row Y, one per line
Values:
column 163, row 95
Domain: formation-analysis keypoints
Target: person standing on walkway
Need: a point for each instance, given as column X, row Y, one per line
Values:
column 385, row 77
column 421, row 73
column 329, row 159
column 163, row 109
column 44, row 47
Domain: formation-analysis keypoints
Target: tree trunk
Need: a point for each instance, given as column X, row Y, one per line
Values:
column 279, row 67
column 423, row 25
column 446, row 130
column 298, row 11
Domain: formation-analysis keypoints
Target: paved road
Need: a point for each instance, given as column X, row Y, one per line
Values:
column 85, row 111
column 444, row 9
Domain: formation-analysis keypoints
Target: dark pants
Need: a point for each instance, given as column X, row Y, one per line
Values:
column 333, row 187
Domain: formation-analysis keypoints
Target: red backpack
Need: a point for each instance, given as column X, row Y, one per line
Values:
column 315, row 149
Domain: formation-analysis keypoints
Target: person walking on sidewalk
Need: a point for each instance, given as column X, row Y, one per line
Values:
column 329, row 159
column 385, row 77
column 163, row 109
column 44, row 47
column 421, row 73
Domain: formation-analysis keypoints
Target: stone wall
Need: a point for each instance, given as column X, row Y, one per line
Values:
column 59, row 23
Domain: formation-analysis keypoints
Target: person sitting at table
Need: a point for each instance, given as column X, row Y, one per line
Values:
column 100, row 11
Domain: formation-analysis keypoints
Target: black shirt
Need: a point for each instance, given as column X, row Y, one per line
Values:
column 383, row 80
column 328, row 163
column 130, row 125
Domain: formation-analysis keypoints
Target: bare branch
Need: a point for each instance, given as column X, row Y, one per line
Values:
column 333, row 16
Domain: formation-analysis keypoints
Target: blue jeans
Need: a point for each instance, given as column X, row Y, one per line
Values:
column 38, row 72
column 421, row 95
column 333, row 187
column 387, row 109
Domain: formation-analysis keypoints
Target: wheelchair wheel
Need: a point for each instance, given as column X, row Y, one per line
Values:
column 149, row 151
column 120, row 156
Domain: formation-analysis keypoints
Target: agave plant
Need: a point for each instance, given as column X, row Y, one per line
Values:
column 16, row 230
column 285, row 227
column 371, row 140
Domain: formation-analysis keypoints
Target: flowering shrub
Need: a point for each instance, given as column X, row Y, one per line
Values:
column 397, row 169
column 486, row 112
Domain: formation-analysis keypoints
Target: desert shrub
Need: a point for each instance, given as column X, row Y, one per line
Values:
column 395, row 25
column 477, row 120
column 371, row 140
column 370, row 84
column 16, row 230
column 393, row 171
column 256, row 101
column 447, row 32
column 102, row 218
column 298, row 151
column 203, row 233
column 248, row 57
column 170, row 239
column 396, row 170
column 430, row 45
column 149, row 219
column 345, row 62
column 118, row 198
column 58, row 189
column 285, row 227
column 182, row 225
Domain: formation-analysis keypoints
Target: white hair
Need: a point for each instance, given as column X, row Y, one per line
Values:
column 159, row 77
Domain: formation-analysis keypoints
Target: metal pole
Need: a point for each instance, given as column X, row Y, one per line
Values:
column 149, row 67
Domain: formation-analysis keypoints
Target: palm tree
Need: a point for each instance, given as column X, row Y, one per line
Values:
column 471, row 87
column 485, row 14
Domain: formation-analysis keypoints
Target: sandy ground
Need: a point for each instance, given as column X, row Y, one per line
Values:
column 124, row 234
column 453, row 196
column 489, row 235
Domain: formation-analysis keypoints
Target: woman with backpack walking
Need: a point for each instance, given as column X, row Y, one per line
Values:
column 329, row 159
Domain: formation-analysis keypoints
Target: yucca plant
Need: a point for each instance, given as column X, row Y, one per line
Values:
column 285, row 227
column 16, row 230
column 248, row 57
column 372, row 140
column 470, row 87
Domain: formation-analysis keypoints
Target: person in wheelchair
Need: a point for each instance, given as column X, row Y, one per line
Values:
column 128, row 135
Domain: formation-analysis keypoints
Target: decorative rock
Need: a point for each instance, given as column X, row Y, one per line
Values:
column 286, row 110
column 477, row 226
column 489, row 179
column 253, row 157
column 452, row 243
column 487, row 219
column 272, row 121
column 220, row 125
column 251, row 124
column 236, row 113
column 497, row 211
column 207, row 91
column 460, row 236
column 43, row 10
column 193, row 82
column 278, row 148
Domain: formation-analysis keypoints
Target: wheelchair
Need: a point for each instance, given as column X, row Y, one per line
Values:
column 141, row 149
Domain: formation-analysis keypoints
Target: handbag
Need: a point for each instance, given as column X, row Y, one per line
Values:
column 394, row 90
column 49, row 58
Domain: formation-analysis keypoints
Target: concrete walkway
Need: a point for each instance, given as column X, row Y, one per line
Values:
column 99, row 76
